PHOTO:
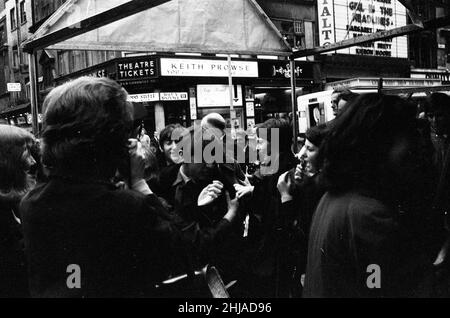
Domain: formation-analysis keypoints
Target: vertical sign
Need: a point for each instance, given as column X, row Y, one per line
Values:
column 250, row 108
column 193, row 103
column 326, row 22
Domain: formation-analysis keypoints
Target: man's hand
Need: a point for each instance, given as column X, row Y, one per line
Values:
column 233, row 206
column 137, row 167
column 299, row 172
column 242, row 191
column 284, row 185
column 137, row 160
column 210, row 193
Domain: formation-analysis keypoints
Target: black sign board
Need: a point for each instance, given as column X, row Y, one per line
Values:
column 282, row 70
column 136, row 69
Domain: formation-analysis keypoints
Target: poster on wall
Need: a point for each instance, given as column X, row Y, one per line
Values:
column 343, row 19
column 250, row 108
column 218, row 95
column 193, row 108
column 250, row 123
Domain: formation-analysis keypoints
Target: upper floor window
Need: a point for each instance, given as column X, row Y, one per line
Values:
column 23, row 14
column 12, row 14
column 293, row 31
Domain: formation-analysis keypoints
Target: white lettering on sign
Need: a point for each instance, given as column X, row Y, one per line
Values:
column 140, row 98
column 98, row 73
column 326, row 22
column 173, row 96
column 141, row 69
column 207, row 68
column 358, row 18
column 14, row 87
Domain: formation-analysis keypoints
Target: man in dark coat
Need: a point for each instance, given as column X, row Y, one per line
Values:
column 83, row 236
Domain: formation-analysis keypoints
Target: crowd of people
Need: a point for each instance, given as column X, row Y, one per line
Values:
column 94, row 207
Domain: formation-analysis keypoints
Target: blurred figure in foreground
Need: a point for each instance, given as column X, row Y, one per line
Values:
column 363, row 225
column 83, row 236
column 16, row 181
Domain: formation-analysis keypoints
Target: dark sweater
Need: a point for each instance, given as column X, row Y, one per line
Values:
column 121, row 240
column 13, row 271
column 350, row 232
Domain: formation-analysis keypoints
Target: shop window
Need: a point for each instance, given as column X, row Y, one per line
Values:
column 293, row 31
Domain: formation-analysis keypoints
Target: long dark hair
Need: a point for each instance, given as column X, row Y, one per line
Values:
column 355, row 151
column 87, row 123
column 14, row 180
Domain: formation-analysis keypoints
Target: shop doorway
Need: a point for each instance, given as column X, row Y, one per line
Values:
column 177, row 112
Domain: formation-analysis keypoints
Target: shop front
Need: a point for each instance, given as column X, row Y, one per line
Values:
column 19, row 116
column 273, row 87
column 183, row 89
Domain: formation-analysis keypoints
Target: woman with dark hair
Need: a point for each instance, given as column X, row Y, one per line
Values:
column 365, row 238
column 83, row 236
column 301, row 191
column 266, row 228
column 15, row 181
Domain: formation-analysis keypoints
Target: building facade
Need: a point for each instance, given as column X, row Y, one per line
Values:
column 303, row 23
column 430, row 50
column 16, row 17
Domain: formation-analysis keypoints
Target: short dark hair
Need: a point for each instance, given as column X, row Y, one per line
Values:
column 166, row 134
column 357, row 144
column 345, row 94
column 317, row 134
column 86, row 126
column 285, row 132
column 13, row 177
column 439, row 102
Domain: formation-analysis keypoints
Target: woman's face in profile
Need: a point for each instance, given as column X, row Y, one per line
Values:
column 27, row 159
column 403, row 159
column 309, row 152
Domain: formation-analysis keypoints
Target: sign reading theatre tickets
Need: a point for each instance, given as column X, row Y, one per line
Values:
column 207, row 68
column 343, row 19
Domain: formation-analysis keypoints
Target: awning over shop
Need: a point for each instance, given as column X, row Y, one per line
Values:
column 201, row 26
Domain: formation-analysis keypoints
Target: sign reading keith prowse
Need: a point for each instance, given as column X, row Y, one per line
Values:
column 14, row 87
column 207, row 68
